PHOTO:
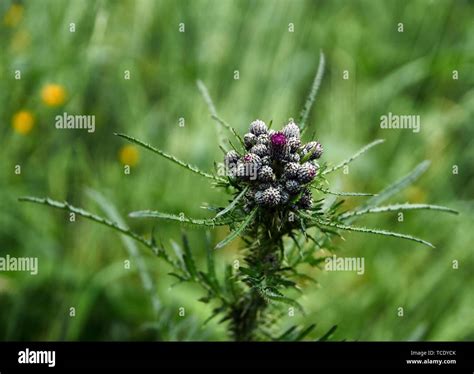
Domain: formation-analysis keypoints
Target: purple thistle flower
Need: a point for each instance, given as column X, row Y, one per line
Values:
column 278, row 139
column 278, row 146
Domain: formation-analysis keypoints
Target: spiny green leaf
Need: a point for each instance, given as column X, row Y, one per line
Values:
column 396, row 208
column 212, row 109
column 183, row 164
column 239, row 230
column 234, row 202
column 354, row 156
column 397, row 186
column 341, row 193
column 230, row 128
column 285, row 300
column 312, row 92
column 366, row 230
column 93, row 217
column 181, row 218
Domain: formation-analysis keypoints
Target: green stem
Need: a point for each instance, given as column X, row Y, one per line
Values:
column 247, row 314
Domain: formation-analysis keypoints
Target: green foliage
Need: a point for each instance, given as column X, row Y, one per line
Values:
column 399, row 72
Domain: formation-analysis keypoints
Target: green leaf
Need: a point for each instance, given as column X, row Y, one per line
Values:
column 188, row 258
column 312, row 92
column 366, row 230
column 214, row 314
column 326, row 336
column 179, row 277
column 93, row 217
column 396, row 208
column 341, row 193
column 399, row 185
column 354, row 156
column 181, row 218
column 305, row 332
column 234, row 234
column 212, row 109
column 285, row 300
column 234, row 202
column 288, row 334
column 183, row 164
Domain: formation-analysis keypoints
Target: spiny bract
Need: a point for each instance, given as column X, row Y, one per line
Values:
column 277, row 167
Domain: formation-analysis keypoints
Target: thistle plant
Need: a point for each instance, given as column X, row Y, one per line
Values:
column 282, row 210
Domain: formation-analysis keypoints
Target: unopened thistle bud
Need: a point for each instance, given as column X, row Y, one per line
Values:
column 293, row 144
column 291, row 130
column 292, row 186
column 307, row 172
column 252, row 158
column 294, row 157
column 265, row 174
column 258, row 127
column 249, row 140
column 284, row 196
column 306, row 200
column 271, row 197
column 315, row 148
column 248, row 166
column 263, row 139
column 231, row 158
column 260, row 150
column 290, row 171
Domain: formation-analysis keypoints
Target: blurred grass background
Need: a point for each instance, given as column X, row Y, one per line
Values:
column 82, row 72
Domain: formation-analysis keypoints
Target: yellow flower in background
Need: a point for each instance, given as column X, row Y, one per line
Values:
column 53, row 94
column 129, row 155
column 23, row 122
column 13, row 15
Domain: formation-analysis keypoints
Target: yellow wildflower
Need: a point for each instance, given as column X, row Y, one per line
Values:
column 53, row 94
column 23, row 122
column 129, row 155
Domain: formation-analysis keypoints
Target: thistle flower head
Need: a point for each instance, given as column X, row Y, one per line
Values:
column 275, row 168
column 278, row 139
